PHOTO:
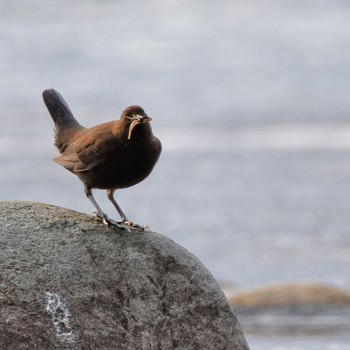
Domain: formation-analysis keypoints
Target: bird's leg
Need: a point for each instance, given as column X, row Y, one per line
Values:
column 116, row 205
column 125, row 220
column 106, row 220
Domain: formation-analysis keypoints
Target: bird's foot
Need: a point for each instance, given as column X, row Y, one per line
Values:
column 129, row 223
column 124, row 224
column 109, row 222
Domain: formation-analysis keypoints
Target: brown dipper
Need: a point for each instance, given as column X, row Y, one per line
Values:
column 109, row 156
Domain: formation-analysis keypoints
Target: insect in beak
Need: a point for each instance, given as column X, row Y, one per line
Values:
column 137, row 119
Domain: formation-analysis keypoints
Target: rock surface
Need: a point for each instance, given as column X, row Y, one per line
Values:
column 68, row 282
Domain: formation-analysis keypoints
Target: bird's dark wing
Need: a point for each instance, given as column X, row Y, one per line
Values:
column 85, row 153
column 68, row 159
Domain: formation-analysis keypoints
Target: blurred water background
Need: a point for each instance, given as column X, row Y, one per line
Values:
column 250, row 100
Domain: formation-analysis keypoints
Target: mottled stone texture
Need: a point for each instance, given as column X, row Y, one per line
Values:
column 68, row 282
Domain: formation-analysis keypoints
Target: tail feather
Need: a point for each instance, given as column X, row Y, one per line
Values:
column 59, row 110
column 65, row 123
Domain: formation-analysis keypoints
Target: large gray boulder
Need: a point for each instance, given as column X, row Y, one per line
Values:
column 68, row 282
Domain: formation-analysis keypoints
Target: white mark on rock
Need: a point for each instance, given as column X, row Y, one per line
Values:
column 59, row 313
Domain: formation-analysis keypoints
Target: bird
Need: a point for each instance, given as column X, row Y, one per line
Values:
column 109, row 156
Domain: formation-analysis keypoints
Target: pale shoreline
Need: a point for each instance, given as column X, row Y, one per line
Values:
column 292, row 309
column 289, row 295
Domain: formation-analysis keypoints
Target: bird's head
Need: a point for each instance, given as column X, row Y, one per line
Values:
column 134, row 115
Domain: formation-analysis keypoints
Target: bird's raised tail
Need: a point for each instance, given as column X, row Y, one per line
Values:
column 65, row 123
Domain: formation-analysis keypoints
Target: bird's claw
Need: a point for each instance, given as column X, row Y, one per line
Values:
column 109, row 222
column 124, row 224
column 131, row 224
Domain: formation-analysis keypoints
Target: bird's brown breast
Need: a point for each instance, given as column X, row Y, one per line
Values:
column 124, row 166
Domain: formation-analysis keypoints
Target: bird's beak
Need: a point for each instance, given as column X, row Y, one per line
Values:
column 138, row 120
column 146, row 119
